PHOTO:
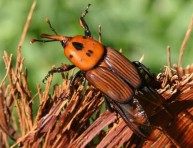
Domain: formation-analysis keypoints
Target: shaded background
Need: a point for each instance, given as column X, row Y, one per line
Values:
column 136, row 26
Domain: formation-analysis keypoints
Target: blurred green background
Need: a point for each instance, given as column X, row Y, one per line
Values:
column 136, row 26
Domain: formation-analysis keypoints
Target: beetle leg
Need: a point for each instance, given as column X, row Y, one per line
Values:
column 107, row 103
column 116, row 116
column 78, row 74
column 63, row 68
column 144, row 68
column 83, row 23
column 148, row 78
column 152, row 83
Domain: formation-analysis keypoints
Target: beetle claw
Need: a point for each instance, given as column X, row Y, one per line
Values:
column 116, row 117
column 46, row 78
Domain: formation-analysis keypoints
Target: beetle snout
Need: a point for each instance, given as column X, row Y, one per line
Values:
column 55, row 37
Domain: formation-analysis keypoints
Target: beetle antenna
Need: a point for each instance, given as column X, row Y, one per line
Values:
column 50, row 25
column 43, row 41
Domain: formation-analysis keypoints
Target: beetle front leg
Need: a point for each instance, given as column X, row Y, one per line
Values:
column 76, row 75
column 83, row 24
column 62, row 68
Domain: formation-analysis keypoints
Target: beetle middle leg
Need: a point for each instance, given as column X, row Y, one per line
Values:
column 83, row 24
column 109, row 107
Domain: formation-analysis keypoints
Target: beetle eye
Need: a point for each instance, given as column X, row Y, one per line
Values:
column 63, row 42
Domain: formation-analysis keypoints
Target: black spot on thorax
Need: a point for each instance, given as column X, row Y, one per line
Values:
column 77, row 45
column 89, row 52
column 70, row 56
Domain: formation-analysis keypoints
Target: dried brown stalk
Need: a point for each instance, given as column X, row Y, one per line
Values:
column 188, row 32
column 77, row 118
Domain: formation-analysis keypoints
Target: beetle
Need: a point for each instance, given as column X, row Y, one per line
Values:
column 123, row 83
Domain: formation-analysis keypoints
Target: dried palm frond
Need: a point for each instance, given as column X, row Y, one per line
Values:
column 77, row 117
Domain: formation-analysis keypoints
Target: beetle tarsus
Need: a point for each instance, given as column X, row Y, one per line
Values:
column 86, row 10
column 116, row 116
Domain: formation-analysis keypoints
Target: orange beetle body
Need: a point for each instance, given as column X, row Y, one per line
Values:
column 121, row 81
